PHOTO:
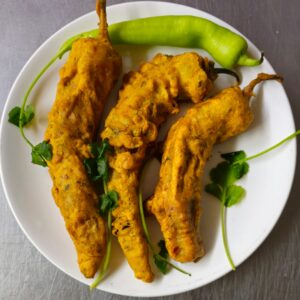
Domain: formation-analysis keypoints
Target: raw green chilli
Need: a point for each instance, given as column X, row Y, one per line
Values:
column 226, row 47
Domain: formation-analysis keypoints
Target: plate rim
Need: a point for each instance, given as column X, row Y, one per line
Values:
column 261, row 238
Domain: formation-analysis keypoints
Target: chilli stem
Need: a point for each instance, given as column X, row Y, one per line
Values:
column 228, row 72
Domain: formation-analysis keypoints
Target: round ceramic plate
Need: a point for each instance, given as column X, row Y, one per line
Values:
column 28, row 187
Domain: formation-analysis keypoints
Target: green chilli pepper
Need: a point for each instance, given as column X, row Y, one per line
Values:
column 226, row 47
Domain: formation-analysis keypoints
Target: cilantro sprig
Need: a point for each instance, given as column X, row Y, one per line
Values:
column 27, row 116
column 41, row 153
column 108, row 202
column 222, row 186
column 97, row 168
column 160, row 259
column 21, row 116
column 163, row 252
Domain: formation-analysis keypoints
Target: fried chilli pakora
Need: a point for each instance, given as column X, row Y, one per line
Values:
column 176, row 201
column 85, row 84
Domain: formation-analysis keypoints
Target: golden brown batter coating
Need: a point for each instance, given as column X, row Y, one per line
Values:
column 85, row 83
column 176, row 201
column 146, row 99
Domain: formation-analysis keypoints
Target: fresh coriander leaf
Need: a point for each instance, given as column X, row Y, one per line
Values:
column 220, row 172
column 98, row 151
column 214, row 189
column 95, row 149
column 223, row 174
column 240, row 169
column 113, row 195
column 107, row 202
column 37, row 159
column 234, row 194
column 105, row 146
column 45, row 149
column 234, row 156
column 104, row 204
column 14, row 115
column 163, row 250
column 102, row 168
column 28, row 114
column 161, row 264
column 41, row 153
column 97, row 167
column 91, row 168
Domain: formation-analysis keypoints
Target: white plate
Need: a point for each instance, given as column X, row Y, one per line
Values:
column 27, row 187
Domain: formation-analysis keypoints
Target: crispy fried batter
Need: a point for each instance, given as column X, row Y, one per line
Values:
column 85, row 83
column 176, row 201
column 146, row 99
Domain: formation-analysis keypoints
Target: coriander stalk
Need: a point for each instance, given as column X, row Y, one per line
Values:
column 107, row 255
column 224, row 235
column 59, row 54
column 144, row 224
column 291, row 136
column 33, row 83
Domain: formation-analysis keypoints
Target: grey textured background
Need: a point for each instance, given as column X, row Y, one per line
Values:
column 272, row 272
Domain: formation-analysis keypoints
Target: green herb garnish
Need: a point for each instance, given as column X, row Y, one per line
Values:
column 161, row 264
column 108, row 202
column 161, row 258
column 41, row 153
column 21, row 116
column 97, row 168
column 14, row 115
column 223, row 187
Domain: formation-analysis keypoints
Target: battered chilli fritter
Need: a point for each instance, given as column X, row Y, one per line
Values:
column 176, row 201
column 85, row 83
column 146, row 99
